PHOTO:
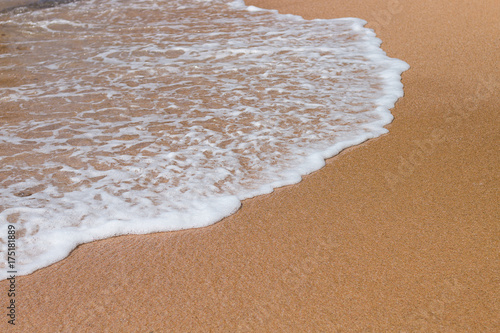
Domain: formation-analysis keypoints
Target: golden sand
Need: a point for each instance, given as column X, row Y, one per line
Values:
column 399, row 234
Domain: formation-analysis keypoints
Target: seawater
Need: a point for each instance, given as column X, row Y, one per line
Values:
column 136, row 116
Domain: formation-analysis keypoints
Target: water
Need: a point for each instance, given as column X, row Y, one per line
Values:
column 140, row 116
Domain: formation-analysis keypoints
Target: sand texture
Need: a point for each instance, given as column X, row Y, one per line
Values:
column 400, row 234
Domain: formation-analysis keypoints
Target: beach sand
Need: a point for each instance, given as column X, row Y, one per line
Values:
column 399, row 234
column 9, row 4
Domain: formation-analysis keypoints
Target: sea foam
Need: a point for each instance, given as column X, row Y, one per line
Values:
column 142, row 116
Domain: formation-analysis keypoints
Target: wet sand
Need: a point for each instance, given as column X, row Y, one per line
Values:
column 10, row 4
column 400, row 234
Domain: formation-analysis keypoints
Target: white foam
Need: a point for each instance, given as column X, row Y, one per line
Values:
column 146, row 118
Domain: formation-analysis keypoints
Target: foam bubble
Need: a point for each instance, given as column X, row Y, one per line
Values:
column 138, row 118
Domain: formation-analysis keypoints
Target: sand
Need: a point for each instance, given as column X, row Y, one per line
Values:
column 399, row 234
column 11, row 4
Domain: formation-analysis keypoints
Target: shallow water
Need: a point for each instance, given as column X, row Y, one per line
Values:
column 140, row 116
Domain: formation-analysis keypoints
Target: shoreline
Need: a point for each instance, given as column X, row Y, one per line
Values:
column 39, row 251
column 397, row 234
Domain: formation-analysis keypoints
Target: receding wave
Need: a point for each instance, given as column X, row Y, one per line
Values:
column 140, row 116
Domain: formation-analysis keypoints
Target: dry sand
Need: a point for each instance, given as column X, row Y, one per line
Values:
column 400, row 234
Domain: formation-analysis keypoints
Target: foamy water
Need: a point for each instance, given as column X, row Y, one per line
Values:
column 141, row 116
